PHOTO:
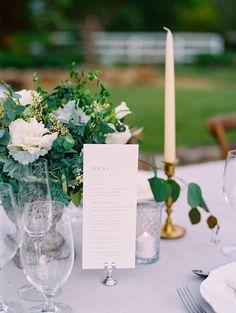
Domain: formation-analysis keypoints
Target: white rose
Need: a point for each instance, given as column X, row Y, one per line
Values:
column 119, row 137
column 28, row 140
column 122, row 110
column 28, row 97
column 64, row 114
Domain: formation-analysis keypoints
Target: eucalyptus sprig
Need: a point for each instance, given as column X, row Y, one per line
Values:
column 164, row 188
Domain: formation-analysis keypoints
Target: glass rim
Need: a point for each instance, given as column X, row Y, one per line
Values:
column 149, row 204
column 149, row 201
column 39, row 162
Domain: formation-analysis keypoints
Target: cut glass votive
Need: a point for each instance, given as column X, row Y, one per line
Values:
column 148, row 231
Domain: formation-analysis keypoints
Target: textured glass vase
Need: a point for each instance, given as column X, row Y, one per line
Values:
column 148, row 231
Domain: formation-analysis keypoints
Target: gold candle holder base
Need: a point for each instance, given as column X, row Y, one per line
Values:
column 173, row 232
column 169, row 230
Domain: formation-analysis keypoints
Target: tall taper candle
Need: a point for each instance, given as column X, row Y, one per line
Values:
column 169, row 140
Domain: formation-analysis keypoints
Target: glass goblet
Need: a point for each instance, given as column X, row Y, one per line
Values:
column 229, row 191
column 9, row 238
column 51, row 270
column 34, row 200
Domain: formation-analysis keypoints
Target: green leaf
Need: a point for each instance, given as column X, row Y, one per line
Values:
column 53, row 103
column 4, row 140
column 212, row 221
column 19, row 109
column 195, row 198
column 2, row 133
column 91, row 75
column 76, row 197
column 175, row 189
column 105, row 128
column 58, row 194
column 204, row 206
column 13, row 169
column 194, row 195
column 70, row 151
column 63, row 143
column 56, row 155
column 195, row 216
column 6, row 120
column 161, row 189
column 68, row 142
column 3, row 149
column 99, row 138
column 9, row 106
column 97, row 72
column 58, row 145
column 8, row 87
column 104, row 92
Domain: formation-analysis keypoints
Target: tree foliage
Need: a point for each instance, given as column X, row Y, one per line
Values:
column 227, row 9
column 129, row 15
column 14, row 15
column 200, row 15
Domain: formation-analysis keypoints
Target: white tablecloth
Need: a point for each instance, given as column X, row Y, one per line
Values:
column 151, row 288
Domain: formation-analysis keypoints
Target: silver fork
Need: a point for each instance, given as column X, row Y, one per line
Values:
column 190, row 303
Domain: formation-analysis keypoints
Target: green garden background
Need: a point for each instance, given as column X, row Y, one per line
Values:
column 29, row 42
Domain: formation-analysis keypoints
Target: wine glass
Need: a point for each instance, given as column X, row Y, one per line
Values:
column 35, row 199
column 9, row 238
column 35, row 204
column 229, row 191
column 51, row 270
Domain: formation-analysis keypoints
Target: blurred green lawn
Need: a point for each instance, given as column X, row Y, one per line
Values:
column 214, row 93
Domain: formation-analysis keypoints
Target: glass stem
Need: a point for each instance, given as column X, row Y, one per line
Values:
column 37, row 245
column 49, row 305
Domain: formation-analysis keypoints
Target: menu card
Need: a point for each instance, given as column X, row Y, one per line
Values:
column 109, row 205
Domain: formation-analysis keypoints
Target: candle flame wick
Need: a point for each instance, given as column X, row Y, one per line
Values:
column 145, row 234
column 167, row 29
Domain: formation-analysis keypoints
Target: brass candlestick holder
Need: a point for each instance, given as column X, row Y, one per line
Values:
column 169, row 230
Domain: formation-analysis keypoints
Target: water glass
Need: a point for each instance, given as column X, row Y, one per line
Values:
column 35, row 204
column 35, row 199
column 49, row 271
column 229, row 191
column 10, row 238
column 148, row 231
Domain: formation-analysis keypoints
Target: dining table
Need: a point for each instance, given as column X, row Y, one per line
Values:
column 150, row 288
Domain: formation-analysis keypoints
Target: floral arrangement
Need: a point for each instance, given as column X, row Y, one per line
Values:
column 55, row 125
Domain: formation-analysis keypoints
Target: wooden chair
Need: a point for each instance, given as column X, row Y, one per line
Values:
column 218, row 127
